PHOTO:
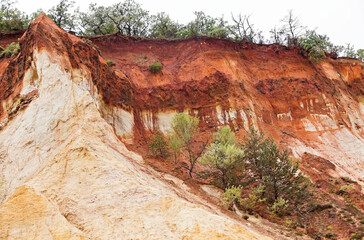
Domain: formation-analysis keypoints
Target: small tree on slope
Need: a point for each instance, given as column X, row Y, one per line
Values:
column 224, row 159
column 184, row 130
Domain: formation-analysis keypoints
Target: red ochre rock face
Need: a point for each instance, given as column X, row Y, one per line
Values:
column 316, row 108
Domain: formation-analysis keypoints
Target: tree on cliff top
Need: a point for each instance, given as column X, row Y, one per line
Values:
column 292, row 27
column 129, row 18
column 204, row 25
column 11, row 19
column 244, row 29
column 316, row 45
column 96, row 21
column 62, row 16
column 164, row 27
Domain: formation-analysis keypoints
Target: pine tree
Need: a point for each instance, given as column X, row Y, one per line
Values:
column 253, row 153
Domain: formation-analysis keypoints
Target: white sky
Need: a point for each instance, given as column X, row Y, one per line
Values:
column 341, row 20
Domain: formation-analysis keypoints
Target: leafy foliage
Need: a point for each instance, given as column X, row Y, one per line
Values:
column 316, row 45
column 344, row 189
column 254, row 198
column 184, row 129
column 11, row 19
column 253, row 153
column 175, row 144
column 357, row 235
column 35, row 14
column 11, row 50
column 349, row 51
column 62, row 16
column 129, row 18
column 279, row 206
column 164, row 27
column 110, row 63
column 224, row 159
column 155, row 67
column 204, row 25
column 360, row 54
column 231, row 195
column 96, row 21
column 273, row 169
column 278, row 171
column 158, row 145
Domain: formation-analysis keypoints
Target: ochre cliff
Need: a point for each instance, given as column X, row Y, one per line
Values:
column 64, row 112
column 313, row 108
column 67, row 175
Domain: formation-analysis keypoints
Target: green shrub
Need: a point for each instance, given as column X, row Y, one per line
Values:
column 155, row 67
column 175, row 144
column 231, row 195
column 250, row 203
column 158, row 145
column 289, row 223
column 316, row 45
column 110, row 63
column 331, row 235
column 11, row 50
column 279, row 206
column 360, row 54
column 344, row 189
column 357, row 236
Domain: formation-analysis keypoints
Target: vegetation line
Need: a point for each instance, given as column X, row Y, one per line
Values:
column 129, row 18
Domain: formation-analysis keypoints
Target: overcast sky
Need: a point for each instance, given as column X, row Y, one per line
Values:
column 341, row 20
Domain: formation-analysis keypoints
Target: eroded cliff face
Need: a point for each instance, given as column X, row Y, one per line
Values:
column 67, row 175
column 63, row 112
column 313, row 108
